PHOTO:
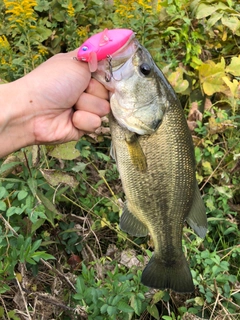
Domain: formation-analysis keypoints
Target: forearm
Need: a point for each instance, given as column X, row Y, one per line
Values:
column 15, row 118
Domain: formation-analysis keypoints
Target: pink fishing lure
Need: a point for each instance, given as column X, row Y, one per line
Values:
column 102, row 45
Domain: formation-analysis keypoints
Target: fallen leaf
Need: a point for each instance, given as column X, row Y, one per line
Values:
column 56, row 177
column 129, row 259
column 66, row 151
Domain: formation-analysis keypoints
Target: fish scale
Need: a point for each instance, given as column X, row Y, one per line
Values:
column 163, row 196
column 164, row 189
column 154, row 153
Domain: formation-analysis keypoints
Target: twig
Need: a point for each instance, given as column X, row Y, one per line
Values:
column 218, row 166
column 48, row 265
column 23, row 297
column 7, row 225
column 48, row 299
column 214, row 170
column 214, row 307
column 99, row 267
column 4, row 306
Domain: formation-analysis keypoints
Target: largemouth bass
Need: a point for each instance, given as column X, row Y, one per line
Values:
column 154, row 153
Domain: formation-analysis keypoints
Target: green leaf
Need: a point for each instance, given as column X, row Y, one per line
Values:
column 80, row 285
column 158, row 296
column 116, row 299
column 35, row 215
column 32, row 183
column 230, row 230
column 51, row 211
column 22, row 194
column 136, row 304
column 14, row 210
column 123, row 306
column 198, row 154
column 3, row 192
column 80, row 167
column 42, row 255
column 111, row 310
column 36, row 245
column 103, row 308
column 3, row 288
column 152, row 309
column 37, row 224
column 12, row 315
column 3, row 206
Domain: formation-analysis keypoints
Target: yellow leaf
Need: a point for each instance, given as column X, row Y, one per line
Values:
column 224, row 36
column 234, row 66
column 176, row 79
column 207, row 167
column 66, row 151
column 233, row 23
column 19, row 277
column 199, row 301
column 104, row 222
column 233, row 86
column 211, row 75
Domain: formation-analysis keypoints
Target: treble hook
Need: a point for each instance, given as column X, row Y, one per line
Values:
column 110, row 75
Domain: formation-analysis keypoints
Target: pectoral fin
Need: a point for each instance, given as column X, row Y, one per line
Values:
column 130, row 224
column 136, row 153
column 197, row 218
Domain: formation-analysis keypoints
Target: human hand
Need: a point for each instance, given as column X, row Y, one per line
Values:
column 55, row 103
column 63, row 111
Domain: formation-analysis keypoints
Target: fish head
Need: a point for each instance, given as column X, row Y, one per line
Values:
column 138, row 98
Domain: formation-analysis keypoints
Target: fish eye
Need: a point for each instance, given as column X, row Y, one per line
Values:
column 145, row 69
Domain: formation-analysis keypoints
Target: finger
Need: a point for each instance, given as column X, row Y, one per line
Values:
column 97, row 89
column 86, row 121
column 90, row 103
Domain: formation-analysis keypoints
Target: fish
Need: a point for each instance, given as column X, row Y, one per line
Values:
column 154, row 153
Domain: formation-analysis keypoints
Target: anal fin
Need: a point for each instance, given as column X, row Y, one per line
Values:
column 130, row 224
column 197, row 218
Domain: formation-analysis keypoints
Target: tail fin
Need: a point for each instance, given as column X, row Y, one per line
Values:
column 176, row 277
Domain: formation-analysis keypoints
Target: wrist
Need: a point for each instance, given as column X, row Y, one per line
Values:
column 15, row 124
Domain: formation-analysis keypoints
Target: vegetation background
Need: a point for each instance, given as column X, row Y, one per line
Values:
column 62, row 255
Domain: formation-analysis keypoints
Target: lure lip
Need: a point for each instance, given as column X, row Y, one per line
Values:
column 102, row 45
